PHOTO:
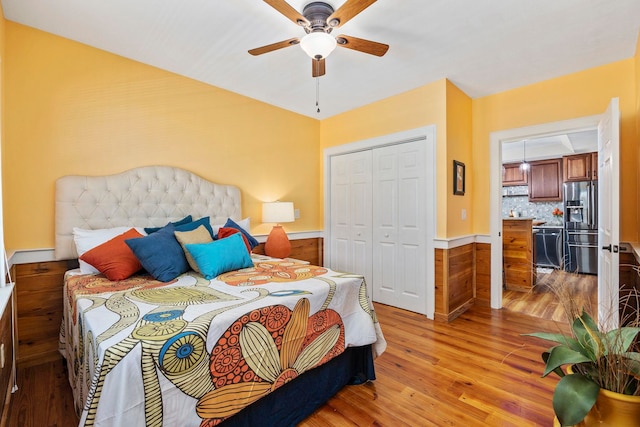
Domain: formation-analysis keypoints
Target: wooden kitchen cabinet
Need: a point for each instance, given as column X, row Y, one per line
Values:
column 513, row 175
column 580, row 167
column 518, row 254
column 545, row 180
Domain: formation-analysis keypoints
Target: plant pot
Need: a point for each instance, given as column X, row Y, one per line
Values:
column 612, row 410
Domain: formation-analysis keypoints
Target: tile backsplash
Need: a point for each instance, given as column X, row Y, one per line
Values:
column 516, row 199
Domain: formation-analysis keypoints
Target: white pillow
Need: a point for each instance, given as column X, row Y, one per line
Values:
column 86, row 240
column 244, row 223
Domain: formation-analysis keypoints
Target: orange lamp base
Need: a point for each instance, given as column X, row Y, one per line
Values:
column 277, row 244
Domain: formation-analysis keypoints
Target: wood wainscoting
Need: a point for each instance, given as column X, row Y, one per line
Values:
column 483, row 274
column 454, row 277
column 310, row 250
column 462, row 279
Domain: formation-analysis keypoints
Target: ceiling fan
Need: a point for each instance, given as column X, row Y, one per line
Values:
column 319, row 19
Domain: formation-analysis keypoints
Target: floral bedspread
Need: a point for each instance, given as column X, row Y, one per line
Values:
column 194, row 352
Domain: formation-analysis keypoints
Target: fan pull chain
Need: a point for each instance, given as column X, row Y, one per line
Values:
column 318, row 94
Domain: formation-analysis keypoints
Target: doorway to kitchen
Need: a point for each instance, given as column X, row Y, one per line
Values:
column 531, row 199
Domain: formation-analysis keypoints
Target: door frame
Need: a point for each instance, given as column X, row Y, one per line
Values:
column 426, row 134
column 506, row 136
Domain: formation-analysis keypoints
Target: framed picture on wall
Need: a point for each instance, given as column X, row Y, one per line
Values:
column 458, row 178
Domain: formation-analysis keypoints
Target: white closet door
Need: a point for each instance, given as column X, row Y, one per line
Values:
column 350, row 237
column 399, row 221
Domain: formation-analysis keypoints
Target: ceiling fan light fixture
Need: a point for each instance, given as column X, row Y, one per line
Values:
column 318, row 45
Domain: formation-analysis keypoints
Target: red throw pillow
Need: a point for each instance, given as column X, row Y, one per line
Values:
column 228, row 231
column 114, row 258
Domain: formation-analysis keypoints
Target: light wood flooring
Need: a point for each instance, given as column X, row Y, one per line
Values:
column 477, row 370
column 542, row 302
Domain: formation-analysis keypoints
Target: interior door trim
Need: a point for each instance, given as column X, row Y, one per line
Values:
column 495, row 172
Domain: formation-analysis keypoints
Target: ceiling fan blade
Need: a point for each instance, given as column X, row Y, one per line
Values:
column 274, row 46
column 362, row 45
column 287, row 10
column 318, row 67
column 348, row 10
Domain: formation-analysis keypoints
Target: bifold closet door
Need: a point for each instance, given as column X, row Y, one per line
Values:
column 351, row 204
column 399, row 221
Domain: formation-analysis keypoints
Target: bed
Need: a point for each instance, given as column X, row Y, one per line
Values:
column 265, row 344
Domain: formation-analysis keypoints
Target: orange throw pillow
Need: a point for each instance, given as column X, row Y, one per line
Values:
column 114, row 258
column 228, row 231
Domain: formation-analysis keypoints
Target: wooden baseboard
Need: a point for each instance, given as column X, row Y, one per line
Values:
column 442, row 317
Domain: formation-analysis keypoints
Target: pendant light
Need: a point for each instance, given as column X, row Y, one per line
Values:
column 524, row 166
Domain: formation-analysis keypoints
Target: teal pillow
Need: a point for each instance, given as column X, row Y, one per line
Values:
column 220, row 256
column 160, row 254
column 187, row 219
column 252, row 240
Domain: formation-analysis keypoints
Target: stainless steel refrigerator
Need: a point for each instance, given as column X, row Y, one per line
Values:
column 581, row 226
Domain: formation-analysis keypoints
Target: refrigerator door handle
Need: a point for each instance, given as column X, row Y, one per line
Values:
column 594, row 204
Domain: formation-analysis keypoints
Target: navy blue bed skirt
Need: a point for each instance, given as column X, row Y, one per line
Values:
column 295, row 401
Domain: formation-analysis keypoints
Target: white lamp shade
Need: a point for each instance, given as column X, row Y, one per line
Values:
column 277, row 212
column 318, row 44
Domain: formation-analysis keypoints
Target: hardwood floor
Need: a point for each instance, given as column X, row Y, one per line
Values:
column 542, row 302
column 475, row 371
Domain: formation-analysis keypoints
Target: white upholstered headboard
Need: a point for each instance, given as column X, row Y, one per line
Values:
column 147, row 196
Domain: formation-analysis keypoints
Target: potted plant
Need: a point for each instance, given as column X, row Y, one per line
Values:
column 598, row 364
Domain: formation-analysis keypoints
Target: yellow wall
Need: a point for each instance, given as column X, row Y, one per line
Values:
column 423, row 106
column 575, row 95
column 637, row 83
column 74, row 109
column 458, row 142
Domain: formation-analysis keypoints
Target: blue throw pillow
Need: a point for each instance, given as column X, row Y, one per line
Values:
column 187, row 219
column 160, row 254
column 190, row 226
column 252, row 240
column 220, row 256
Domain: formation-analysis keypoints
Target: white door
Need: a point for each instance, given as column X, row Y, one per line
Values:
column 351, row 212
column 399, row 234
column 609, row 218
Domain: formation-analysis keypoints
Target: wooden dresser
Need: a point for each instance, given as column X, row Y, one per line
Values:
column 7, row 361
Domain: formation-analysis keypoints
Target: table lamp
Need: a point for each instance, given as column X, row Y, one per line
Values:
column 277, row 244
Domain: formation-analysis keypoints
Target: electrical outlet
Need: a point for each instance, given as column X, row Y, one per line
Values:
column 296, row 213
column 464, row 214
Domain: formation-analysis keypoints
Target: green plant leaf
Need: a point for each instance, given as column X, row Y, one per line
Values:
column 588, row 335
column 559, row 338
column 620, row 340
column 573, row 398
column 563, row 355
column 632, row 363
column 558, row 371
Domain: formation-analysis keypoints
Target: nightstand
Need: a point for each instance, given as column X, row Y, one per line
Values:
column 6, row 349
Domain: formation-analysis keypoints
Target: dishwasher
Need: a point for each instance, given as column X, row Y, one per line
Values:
column 549, row 247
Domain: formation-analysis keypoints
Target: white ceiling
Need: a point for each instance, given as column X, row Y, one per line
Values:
column 550, row 147
column 482, row 46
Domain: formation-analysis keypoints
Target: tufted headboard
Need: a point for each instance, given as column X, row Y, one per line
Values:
column 147, row 196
